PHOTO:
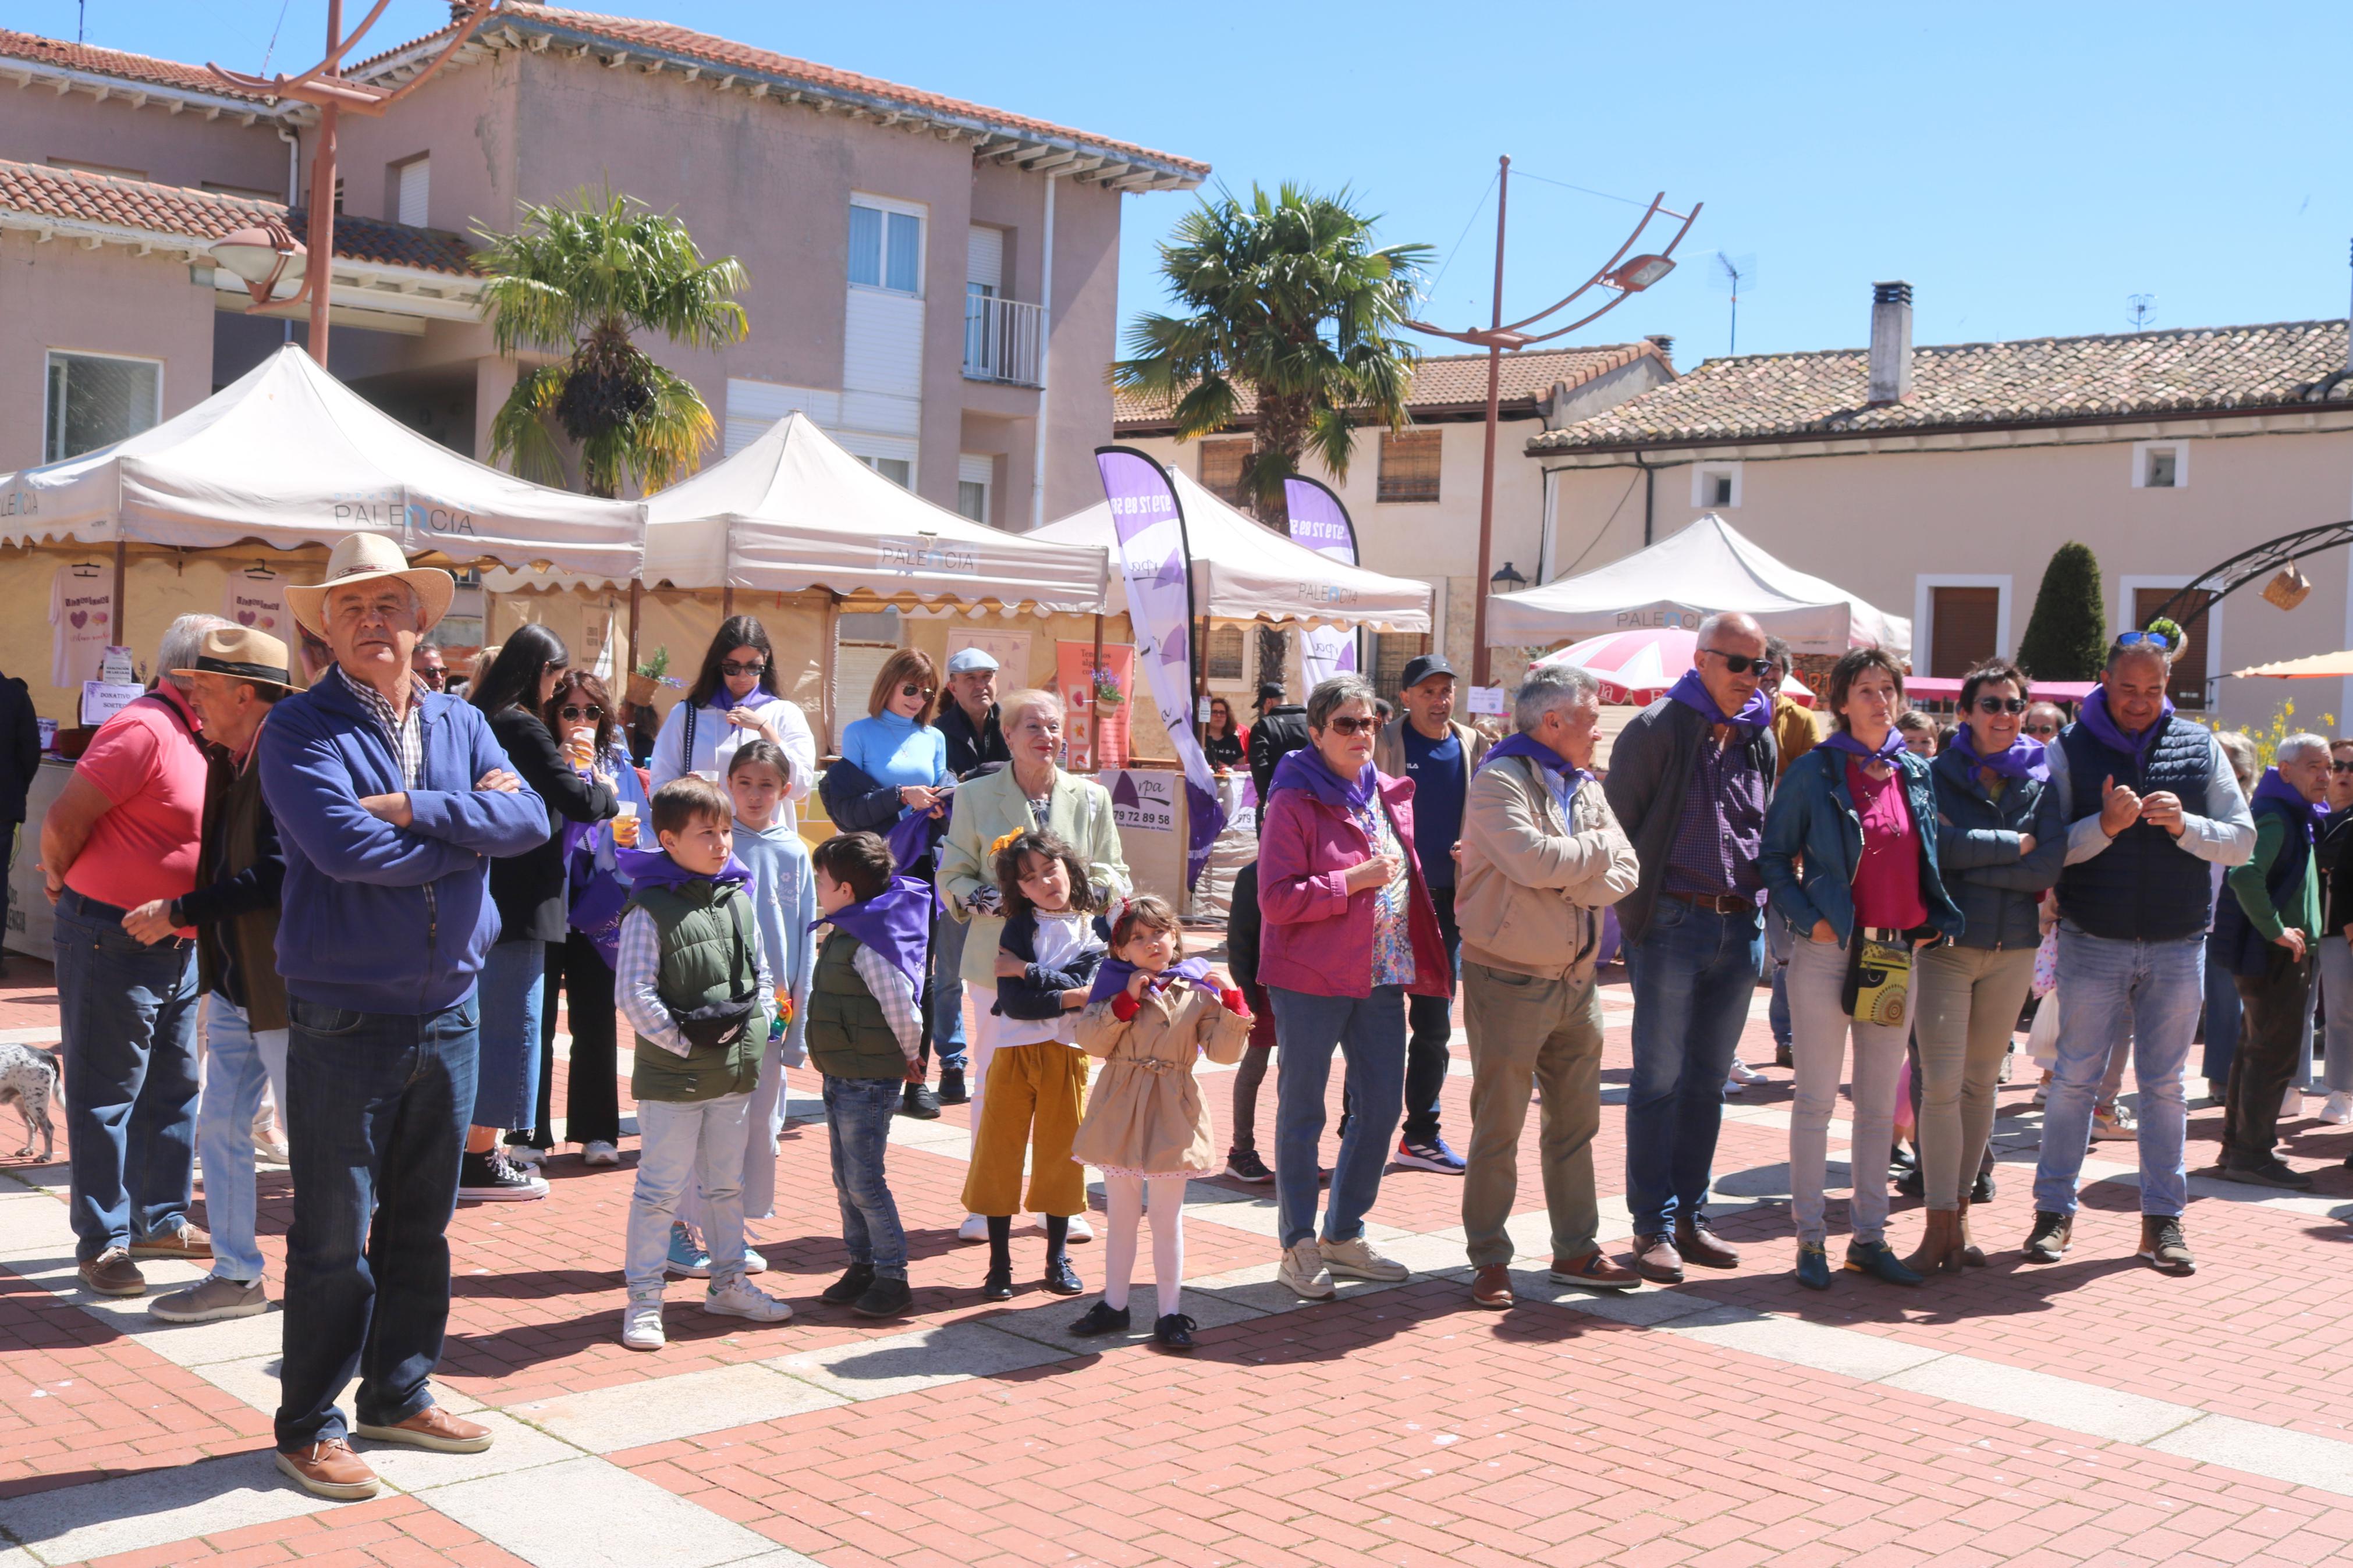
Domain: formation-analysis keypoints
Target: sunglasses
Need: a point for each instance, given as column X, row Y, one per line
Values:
column 744, row 666
column 2340, row 767
column 912, row 689
column 1740, row 663
column 2001, row 704
column 1347, row 726
column 2157, row 640
column 2039, row 731
column 590, row 712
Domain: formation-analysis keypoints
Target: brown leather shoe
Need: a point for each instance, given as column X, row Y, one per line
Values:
column 183, row 1241
column 1492, row 1286
column 1701, row 1245
column 330, row 1469
column 112, row 1273
column 1595, row 1271
column 435, row 1428
column 1656, row 1260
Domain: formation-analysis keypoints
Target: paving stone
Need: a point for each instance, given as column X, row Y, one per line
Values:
column 686, row 1405
column 133, row 1513
column 588, row 1514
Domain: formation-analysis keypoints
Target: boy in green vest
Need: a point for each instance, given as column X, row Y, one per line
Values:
column 692, row 982
column 865, row 1034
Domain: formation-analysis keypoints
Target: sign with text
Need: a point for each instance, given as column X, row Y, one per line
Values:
column 1485, row 700
column 1096, row 703
column 1321, row 523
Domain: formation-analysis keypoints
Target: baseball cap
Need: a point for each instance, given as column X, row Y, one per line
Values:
column 1422, row 667
column 1269, row 691
column 964, row 661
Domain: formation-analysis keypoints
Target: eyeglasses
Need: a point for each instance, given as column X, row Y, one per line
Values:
column 2001, row 704
column 575, row 712
column 1741, row 663
column 2041, row 730
column 743, row 666
column 1352, row 726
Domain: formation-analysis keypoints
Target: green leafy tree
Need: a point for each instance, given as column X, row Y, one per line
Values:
column 1290, row 298
column 578, row 278
column 2067, row 634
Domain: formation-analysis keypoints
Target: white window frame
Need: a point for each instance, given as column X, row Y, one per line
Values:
column 48, row 357
column 887, row 205
column 2121, row 618
column 1702, row 473
column 1924, row 610
column 2140, row 454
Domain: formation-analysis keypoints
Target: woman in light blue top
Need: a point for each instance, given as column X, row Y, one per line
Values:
column 897, row 745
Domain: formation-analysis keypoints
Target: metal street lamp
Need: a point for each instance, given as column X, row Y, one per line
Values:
column 1507, row 581
column 259, row 254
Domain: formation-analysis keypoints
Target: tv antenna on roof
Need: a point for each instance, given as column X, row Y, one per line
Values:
column 2141, row 308
column 1730, row 274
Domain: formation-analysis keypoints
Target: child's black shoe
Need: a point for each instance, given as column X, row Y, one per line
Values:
column 885, row 1298
column 1103, row 1318
column 1062, row 1279
column 850, row 1287
column 998, row 1286
column 1175, row 1332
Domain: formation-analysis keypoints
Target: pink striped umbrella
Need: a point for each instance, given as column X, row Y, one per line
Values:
column 1638, row 665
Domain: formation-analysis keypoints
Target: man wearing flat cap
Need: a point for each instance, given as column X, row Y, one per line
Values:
column 391, row 801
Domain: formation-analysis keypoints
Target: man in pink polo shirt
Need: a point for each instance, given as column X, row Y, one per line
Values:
column 123, row 831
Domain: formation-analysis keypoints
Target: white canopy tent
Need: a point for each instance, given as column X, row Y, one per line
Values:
column 288, row 456
column 1244, row 571
column 1706, row 569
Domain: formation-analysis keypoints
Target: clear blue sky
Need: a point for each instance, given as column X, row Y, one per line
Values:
column 2026, row 167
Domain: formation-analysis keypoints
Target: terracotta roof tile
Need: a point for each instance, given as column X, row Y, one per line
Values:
column 1448, row 381
column 2031, row 381
column 117, row 63
column 71, row 195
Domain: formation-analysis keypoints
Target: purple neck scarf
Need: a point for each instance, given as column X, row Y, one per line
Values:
column 2023, row 759
column 1693, row 693
column 1306, row 769
column 895, row 922
column 1112, row 977
column 1889, row 749
column 2303, row 813
column 655, row 868
column 1536, row 752
column 2096, row 717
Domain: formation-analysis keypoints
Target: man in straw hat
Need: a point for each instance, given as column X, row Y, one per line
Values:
column 392, row 800
column 237, row 675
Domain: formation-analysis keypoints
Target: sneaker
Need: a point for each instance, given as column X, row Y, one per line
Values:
column 1433, row 1155
column 269, row 1148
column 596, row 1151
column 952, row 1089
column 328, row 1469
column 2272, row 1173
column 112, row 1273
column 920, row 1103
column 1742, row 1073
column 2008, row 1058
column 688, row 1256
column 2111, row 1123
column 850, row 1287
column 1303, row 1272
column 182, row 1241
column 741, row 1298
column 887, row 1296
column 435, row 1428
column 1355, row 1259
column 2292, row 1103
column 641, row 1326
column 754, row 1262
column 1981, row 1190
column 1103, row 1318
column 1244, row 1165
column 526, row 1154
column 2339, row 1110
column 1878, row 1259
column 1782, row 1057
column 2043, row 1088
column 1173, row 1333
column 1732, row 1086
column 2047, row 1243
column 1080, row 1229
column 2162, row 1244
column 210, row 1299
column 974, row 1229
column 491, row 1177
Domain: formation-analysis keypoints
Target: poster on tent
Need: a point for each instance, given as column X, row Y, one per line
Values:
column 1157, row 569
column 1321, row 523
column 256, row 597
column 1096, row 703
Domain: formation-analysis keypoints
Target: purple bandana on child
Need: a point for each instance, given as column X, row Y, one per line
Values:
column 2096, row 717
column 2023, row 759
column 1112, row 977
column 655, row 868
column 895, row 922
column 1692, row 692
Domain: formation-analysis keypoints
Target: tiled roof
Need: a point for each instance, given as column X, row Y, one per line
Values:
column 64, row 56
column 1448, row 383
column 654, row 39
column 72, row 196
column 2032, row 381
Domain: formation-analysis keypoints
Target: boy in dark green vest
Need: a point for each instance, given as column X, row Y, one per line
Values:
column 692, row 980
column 865, row 1034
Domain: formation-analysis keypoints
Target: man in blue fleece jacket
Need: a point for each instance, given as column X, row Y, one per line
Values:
column 391, row 802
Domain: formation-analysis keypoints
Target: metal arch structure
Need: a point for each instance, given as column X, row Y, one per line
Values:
column 2210, row 586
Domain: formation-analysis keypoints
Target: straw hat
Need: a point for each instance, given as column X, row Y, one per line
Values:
column 363, row 557
column 243, row 654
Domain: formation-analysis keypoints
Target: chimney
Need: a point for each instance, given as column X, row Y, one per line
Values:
column 1664, row 342
column 1891, row 342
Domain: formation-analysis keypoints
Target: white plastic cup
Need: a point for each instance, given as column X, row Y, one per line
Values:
column 625, row 825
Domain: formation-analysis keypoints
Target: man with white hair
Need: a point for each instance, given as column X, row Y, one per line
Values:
column 122, row 833
column 1542, row 855
column 2267, row 932
column 391, row 802
column 2150, row 801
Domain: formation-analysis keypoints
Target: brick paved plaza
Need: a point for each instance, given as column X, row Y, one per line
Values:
column 2088, row 1413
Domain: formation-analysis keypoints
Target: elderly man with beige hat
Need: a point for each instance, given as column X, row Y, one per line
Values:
column 392, row 800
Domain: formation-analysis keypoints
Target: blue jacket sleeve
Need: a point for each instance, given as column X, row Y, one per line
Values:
column 310, row 793
column 2033, row 873
column 1785, row 821
column 855, row 802
column 486, row 822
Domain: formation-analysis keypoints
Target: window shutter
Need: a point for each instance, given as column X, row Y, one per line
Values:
column 983, row 258
column 416, row 190
column 1966, row 621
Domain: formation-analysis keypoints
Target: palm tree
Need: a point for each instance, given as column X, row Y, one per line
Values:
column 577, row 278
column 1290, row 298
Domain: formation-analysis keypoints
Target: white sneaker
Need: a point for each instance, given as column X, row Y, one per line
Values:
column 2009, row 1060
column 2292, row 1102
column 596, row 1151
column 641, row 1326
column 741, row 1298
column 1743, row 1073
column 1080, row 1229
column 974, row 1229
column 2338, row 1111
column 1303, row 1272
column 1357, row 1261
column 2113, row 1124
column 524, row 1154
column 1732, row 1086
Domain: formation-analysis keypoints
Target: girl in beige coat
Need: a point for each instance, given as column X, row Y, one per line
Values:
column 1151, row 1013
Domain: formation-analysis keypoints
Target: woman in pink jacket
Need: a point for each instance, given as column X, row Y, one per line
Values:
column 1349, row 931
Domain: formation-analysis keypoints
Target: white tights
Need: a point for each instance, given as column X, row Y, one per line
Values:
column 1123, row 1206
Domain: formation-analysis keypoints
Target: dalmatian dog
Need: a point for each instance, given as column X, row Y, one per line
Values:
column 28, row 1076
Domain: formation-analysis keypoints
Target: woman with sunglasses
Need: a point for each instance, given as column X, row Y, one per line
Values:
column 734, row 700
column 1348, row 930
column 2000, row 842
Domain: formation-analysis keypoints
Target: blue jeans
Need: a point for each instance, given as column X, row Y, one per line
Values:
column 376, row 1109
column 1694, row 971
column 858, row 1112
column 128, row 1015
column 947, row 990
column 2221, row 1018
column 240, row 1063
column 512, row 985
column 2108, row 990
column 1369, row 1032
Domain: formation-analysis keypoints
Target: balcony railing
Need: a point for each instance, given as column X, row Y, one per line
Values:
column 1002, row 338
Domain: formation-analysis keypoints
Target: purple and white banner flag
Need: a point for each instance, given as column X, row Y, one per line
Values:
column 1157, row 566
column 1321, row 523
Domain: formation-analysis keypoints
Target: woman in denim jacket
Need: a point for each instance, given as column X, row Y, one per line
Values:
column 1851, row 850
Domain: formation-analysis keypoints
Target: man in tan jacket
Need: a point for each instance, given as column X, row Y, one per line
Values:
column 1541, row 854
